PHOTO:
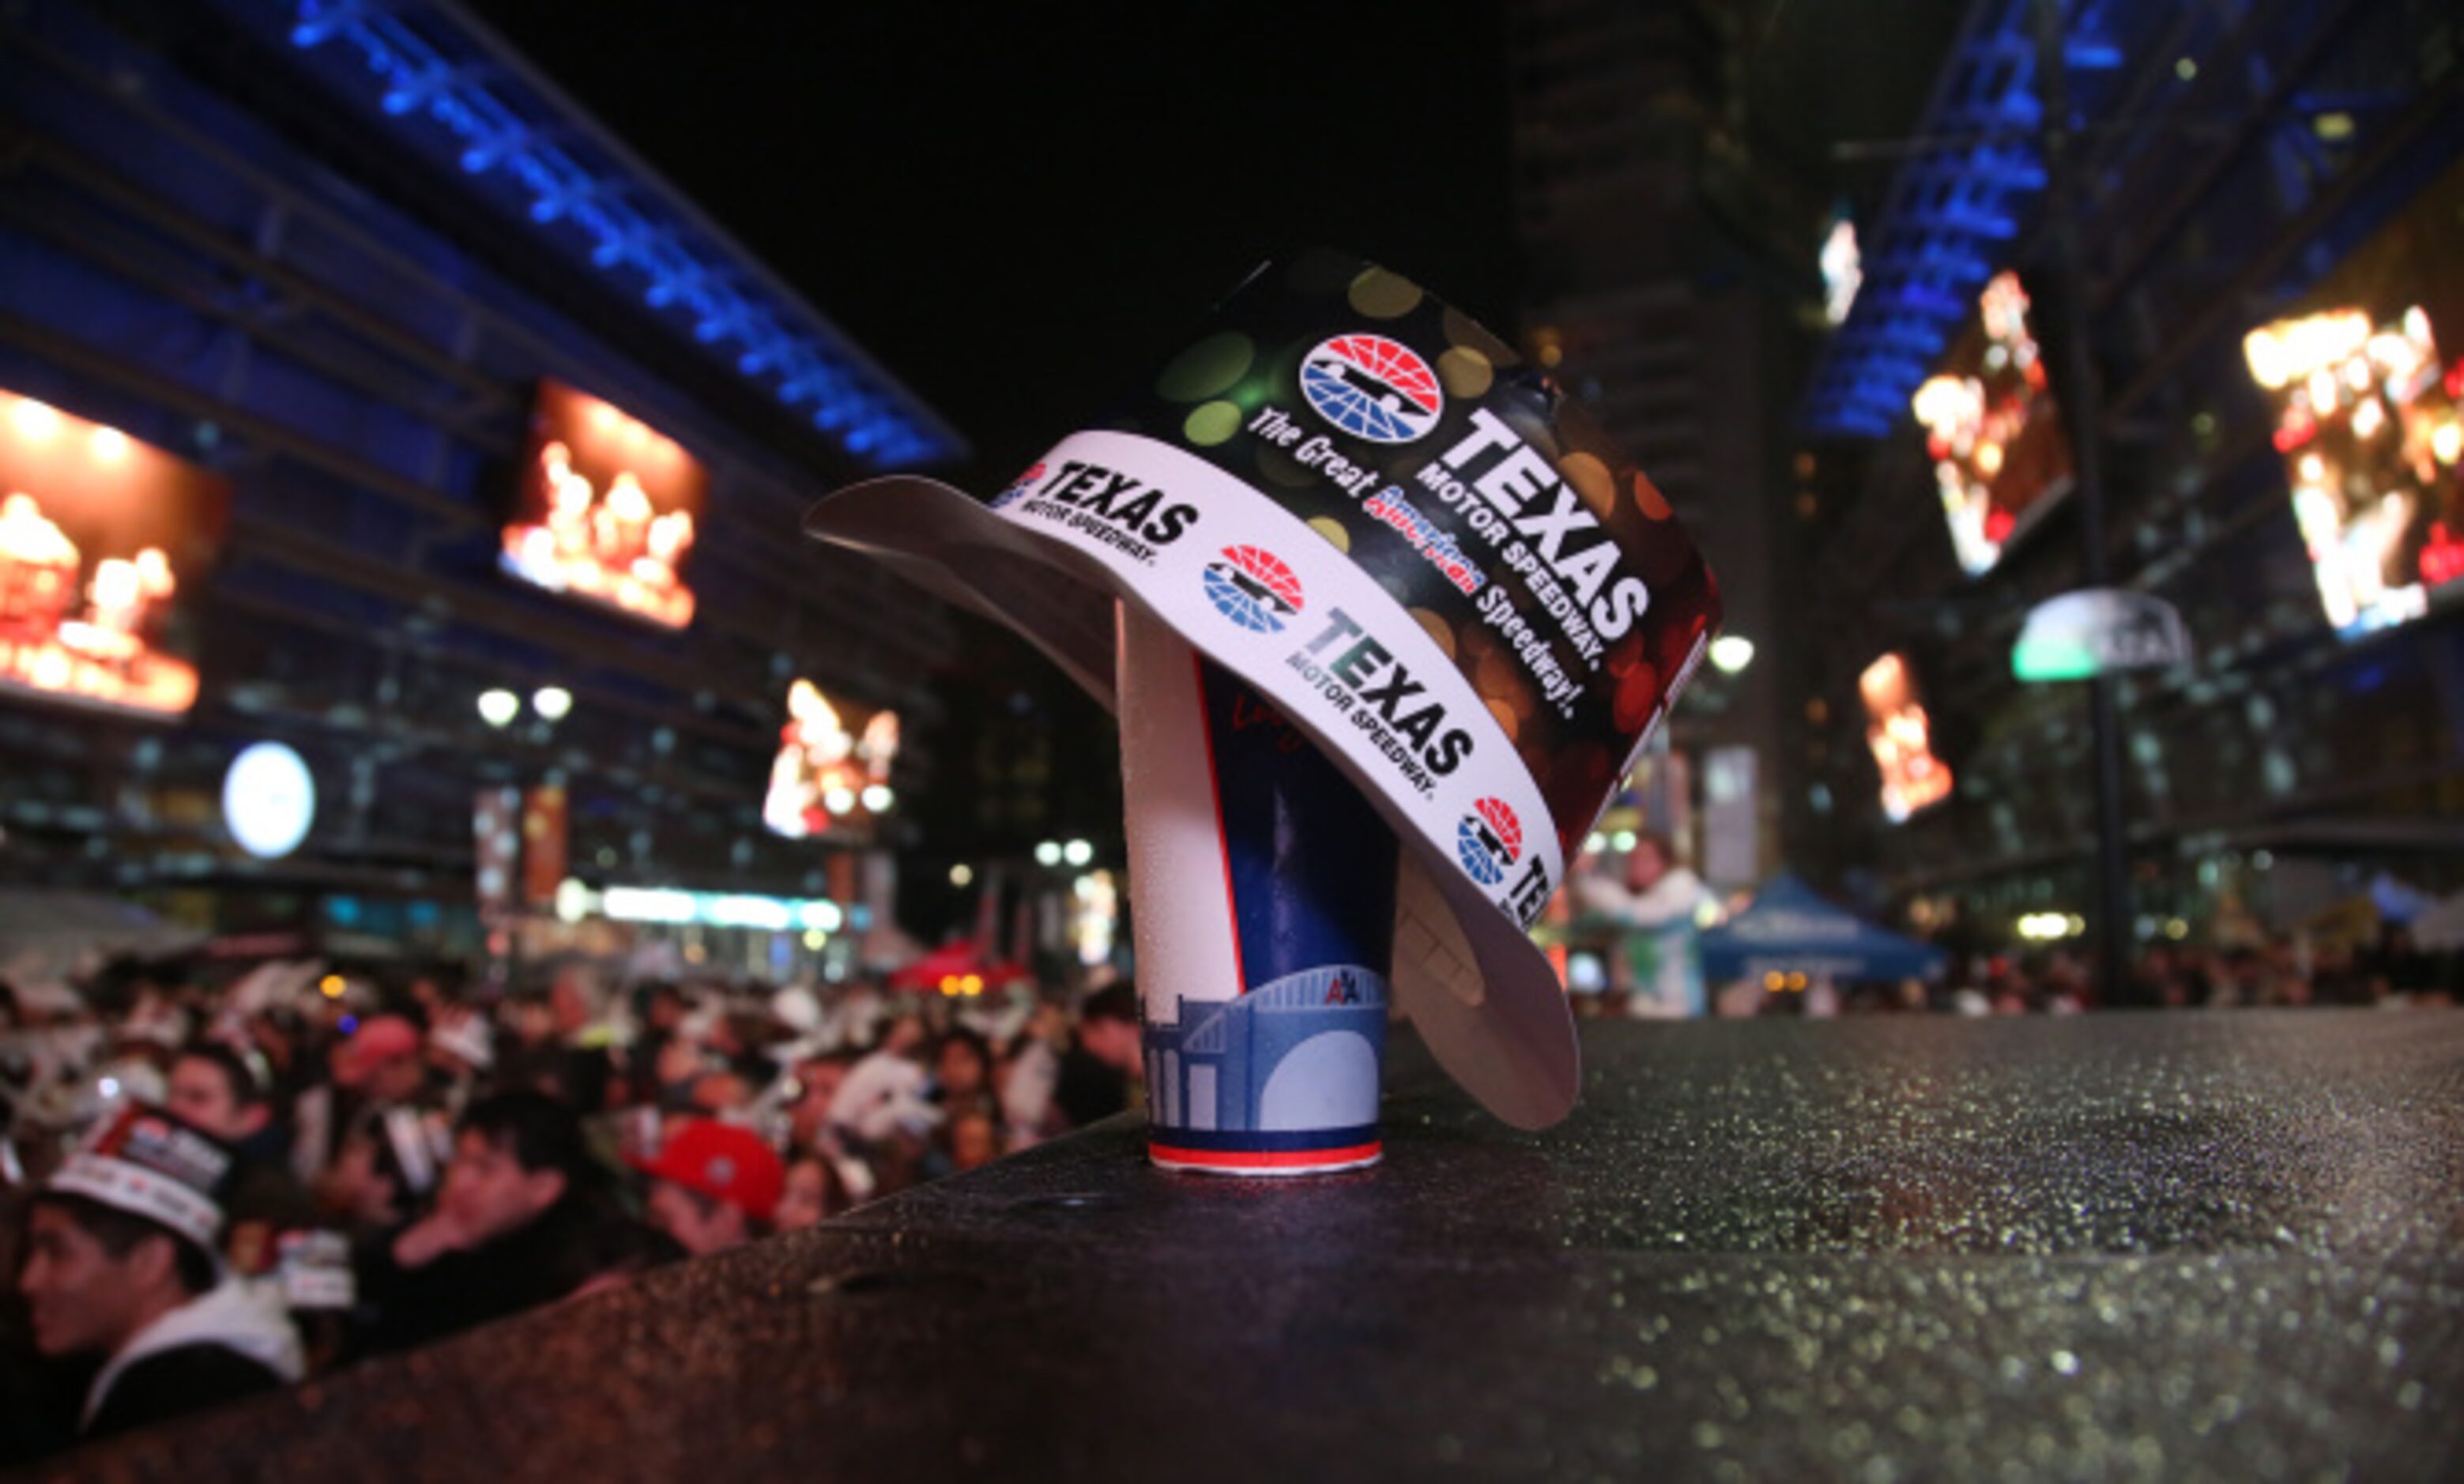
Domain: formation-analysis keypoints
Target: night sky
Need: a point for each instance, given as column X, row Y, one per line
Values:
column 1017, row 208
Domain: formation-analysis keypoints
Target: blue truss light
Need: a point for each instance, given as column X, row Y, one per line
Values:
column 1927, row 254
column 868, row 416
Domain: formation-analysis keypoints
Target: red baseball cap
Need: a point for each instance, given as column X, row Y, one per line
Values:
column 723, row 1162
column 379, row 1039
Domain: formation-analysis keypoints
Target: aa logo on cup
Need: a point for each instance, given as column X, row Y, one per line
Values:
column 1373, row 386
column 1253, row 588
column 1490, row 840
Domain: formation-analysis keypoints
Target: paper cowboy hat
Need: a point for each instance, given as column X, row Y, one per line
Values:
column 1360, row 502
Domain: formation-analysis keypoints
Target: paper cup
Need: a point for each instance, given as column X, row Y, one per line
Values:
column 1261, row 890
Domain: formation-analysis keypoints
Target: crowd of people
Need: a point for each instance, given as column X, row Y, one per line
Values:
column 216, row 1181
column 212, row 1190
column 1642, row 915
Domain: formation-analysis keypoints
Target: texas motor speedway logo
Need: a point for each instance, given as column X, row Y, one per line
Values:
column 1488, row 840
column 1254, row 588
column 1374, row 387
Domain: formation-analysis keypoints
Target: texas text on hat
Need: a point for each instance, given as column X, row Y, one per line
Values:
column 1360, row 502
column 149, row 1164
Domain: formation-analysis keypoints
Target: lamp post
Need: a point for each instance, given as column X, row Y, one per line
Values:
column 2082, row 404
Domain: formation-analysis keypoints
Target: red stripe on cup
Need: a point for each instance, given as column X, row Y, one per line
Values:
column 1262, row 1159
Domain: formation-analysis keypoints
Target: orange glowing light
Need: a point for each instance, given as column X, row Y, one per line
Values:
column 36, row 422
column 823, row 769
column 2370, row 433
column 1902, row 737
column 608, row 508
column 90, row 522
column 1990, row 430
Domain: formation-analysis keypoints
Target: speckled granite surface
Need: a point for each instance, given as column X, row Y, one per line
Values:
column 2191, row 1247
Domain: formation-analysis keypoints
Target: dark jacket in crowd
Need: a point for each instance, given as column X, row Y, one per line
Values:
column 1087, row 1088
column 400, row 1307
column 174, row 1382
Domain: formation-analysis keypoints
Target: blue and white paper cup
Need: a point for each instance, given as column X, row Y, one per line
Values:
column 1262, row 888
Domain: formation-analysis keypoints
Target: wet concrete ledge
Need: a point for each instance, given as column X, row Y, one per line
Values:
column 2185, row 1246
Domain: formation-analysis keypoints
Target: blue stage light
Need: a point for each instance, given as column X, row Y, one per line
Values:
column 418, row 79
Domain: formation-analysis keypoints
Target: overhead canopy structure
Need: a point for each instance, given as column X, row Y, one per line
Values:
column 51, row 935
column 1790, row 928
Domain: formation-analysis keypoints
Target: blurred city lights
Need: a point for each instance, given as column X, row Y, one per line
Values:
column 552, row 702
column 2049, row 926
column 1048, row 853
column 1731, row 653
column 36, row 421
column 499, row 707
column 961, row 874
column 878, row 797
column 1078, row 852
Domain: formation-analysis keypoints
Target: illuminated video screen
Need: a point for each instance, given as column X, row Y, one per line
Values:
column 1901, row 736
column 2366, row 422
column 832, row 773
column 608, row 509
column 1994, row 431
column 99, row 537
column 2365, row 380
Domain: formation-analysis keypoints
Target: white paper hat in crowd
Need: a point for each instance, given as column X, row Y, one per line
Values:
column 797, row 1009
column 1365, row 506
column 468, row 1038
column 151, row 1164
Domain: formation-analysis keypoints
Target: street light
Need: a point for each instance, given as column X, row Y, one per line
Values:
column 1078, row 852
column 961, row 874
column 499, row 707
column 552, row 702
column 1731, row 653
column 1048, row 853
column 877, row 797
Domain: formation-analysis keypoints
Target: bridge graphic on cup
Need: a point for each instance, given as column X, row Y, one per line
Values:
column 1296, row 1057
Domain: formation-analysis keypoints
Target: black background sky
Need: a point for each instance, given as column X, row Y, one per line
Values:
column 1017, row 207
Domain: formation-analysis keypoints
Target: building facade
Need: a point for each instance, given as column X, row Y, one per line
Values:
column 340, row 264
column 2250, row 177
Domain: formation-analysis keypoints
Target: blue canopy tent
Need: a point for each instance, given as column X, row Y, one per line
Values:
column 1792, row 930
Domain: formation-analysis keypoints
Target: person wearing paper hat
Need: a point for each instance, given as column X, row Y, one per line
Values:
column 121, row 1262
column 1418, row 550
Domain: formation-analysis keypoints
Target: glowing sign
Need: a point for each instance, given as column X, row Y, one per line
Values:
column 1902, row 736
column 2099, row 631
column 269, row 800
column 2369, row 430
column 825, row 775
column 608, row 509
column 712, row 909
column 1842, row 271
column 96, row 532
column 2000, row 458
